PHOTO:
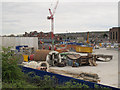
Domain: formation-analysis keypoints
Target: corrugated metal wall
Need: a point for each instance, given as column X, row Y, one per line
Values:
column 15, row 41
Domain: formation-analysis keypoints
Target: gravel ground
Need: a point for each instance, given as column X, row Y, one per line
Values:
column 107, row 71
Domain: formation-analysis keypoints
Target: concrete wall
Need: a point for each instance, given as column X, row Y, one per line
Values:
column 15, row 41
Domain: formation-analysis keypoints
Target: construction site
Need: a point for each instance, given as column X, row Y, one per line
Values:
column 72, row 55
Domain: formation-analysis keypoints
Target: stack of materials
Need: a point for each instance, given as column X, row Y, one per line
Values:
column 44, row 66
column 33, row 64
column 92, row 77
column 104, row 58
column 41, row 55
column 89, row 77
column 52, row 57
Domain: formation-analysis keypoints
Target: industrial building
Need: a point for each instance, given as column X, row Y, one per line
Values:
column 44, row 37
column 98, row 36
column 114, row 35
column 17, row 41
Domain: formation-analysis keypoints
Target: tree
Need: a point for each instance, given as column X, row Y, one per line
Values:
column 10, row 70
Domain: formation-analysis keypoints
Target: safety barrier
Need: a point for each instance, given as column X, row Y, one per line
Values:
column 62, row 79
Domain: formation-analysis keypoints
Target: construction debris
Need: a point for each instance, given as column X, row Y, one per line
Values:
column 43, row 65
column 82, row 75
column 102, row 57
column 89, row 77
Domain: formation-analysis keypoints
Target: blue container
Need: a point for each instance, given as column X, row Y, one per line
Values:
column 25, row 45
column 18, row 48
column 79, row 43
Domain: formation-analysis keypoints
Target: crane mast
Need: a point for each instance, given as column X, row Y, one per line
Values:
column 51, row 17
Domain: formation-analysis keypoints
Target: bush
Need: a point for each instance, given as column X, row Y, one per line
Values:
column 73, row 84
column 52, row 82
column 10, row 69
column 45, row 82
column 18, row 84
column 12, row 75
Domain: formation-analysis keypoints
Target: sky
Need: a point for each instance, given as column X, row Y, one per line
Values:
column 70, row 16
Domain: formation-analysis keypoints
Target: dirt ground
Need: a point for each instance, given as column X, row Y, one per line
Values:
column 107, row 71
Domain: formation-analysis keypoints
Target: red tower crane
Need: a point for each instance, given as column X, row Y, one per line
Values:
column 51, row 17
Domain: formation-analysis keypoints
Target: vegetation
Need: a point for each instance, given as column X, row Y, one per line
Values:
column 10, row 70
column 52, row 82
column 12, row 76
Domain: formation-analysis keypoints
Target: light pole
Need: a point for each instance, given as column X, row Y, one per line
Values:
column 66, row 36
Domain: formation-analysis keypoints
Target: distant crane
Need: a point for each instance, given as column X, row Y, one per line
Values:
column 52, row 22
column 87, row 37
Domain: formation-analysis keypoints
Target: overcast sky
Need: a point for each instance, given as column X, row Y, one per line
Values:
column 20, row 17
